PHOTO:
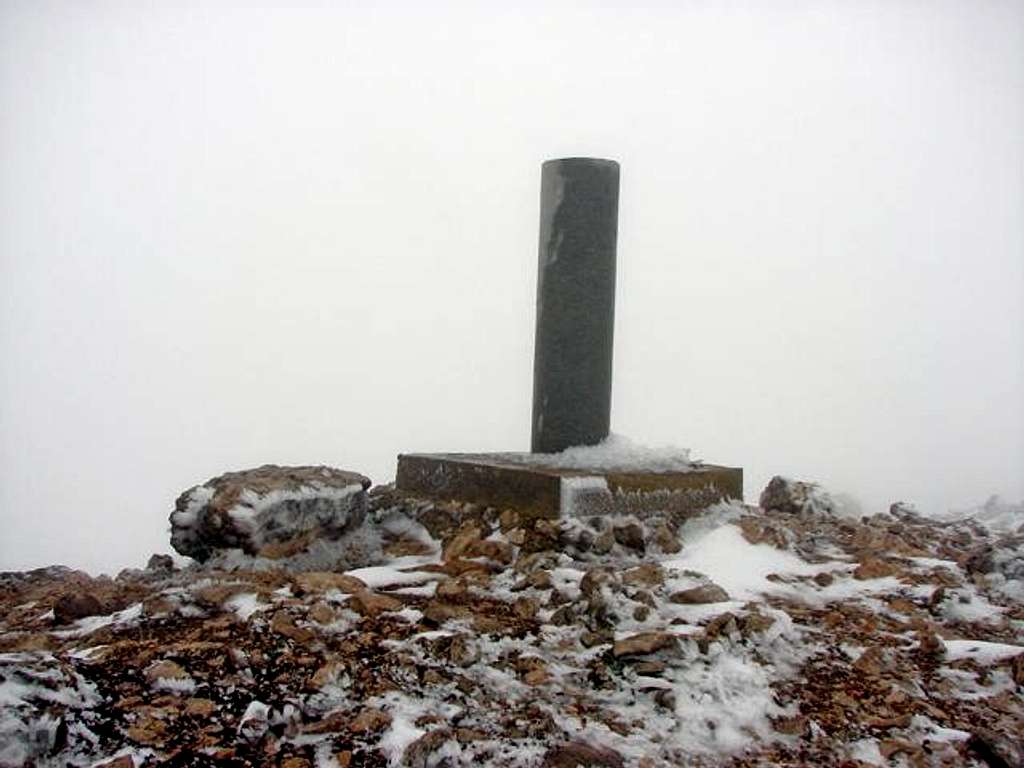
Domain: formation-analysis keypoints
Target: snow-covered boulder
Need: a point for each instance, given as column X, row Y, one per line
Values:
column 794, row 496
column 267, row 510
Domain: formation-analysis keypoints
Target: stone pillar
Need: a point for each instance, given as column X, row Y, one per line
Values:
column 572, row 368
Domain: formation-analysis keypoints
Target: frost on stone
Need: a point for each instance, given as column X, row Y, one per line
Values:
column 615, row 452
column 270, row 511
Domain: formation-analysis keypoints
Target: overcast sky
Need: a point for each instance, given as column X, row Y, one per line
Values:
column 232, row 235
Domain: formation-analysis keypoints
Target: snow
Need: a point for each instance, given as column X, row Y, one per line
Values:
column 90, row 624
column 615, row 452
column 736, row 565
column 253, row 505
column 981, row 651
column 198, row 498
column 377, row 576
column 245, row 604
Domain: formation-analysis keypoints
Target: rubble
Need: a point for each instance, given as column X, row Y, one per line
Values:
column 787, row 635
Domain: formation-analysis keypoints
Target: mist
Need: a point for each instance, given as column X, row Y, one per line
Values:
column 242, row 234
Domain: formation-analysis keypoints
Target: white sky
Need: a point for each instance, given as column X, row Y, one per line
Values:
column 235, row 235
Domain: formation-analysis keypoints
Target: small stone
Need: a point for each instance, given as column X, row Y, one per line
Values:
column 665, row 540
column 166, row 670
column 630, row 535
column 644, row 643
column 463, row 651
column 198, row 707
column 124, row 761
column 824, row 579
column 603, row 543
column 594, row 580
column 160, row 563
column 577, row 754
column 370, row 720
column 371, row 604
column 525, row 608
column 873, row 568
column 650, row 667
column 76, row 605
column 507, row 520
column 285, row 625
column 457, row 546
column 1017, row 669
column 589, row 639
column 322, row 613
column 324, row 581
column 646, row 575
column 536, row 676
column 666, row 699
column 705, row 593
column 295, row 762
column 499, row 551
column 418, row 753
column 641, row 612
column 516, row 536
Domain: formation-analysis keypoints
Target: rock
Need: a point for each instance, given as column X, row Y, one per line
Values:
column 499, row 551
column 285, row 625
column 646, row 575
column 794, row 497
column 930, row 644
column 76, row 605
column 525, row 608
column 594, row 580
column 370, row 720
column 665, row 540
column 705, row 593
column 322, row 613
column 1017, row 669
column 160, row 564
column 165, row 670
column 418, row 754
column 603, row 543
column 576, row 754
column 463, row 651
column 323, row 581
column 824, row 579
column 269, row 505
column 644, row 643
column 873, row 568
column 630, row 535
column 458, row 546
column 372, row 604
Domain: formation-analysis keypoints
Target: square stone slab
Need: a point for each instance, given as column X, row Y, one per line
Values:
column 524, row 482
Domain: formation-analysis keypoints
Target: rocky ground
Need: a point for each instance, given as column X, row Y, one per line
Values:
column 785, row 634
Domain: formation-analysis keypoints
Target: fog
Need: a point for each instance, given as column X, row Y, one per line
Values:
column 233, row 235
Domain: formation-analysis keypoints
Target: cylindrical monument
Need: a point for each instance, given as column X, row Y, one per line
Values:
column 572, row 368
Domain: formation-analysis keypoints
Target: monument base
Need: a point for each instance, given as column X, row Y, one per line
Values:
column 535, row 489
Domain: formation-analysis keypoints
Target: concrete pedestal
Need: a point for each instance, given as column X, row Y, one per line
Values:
column 524, row 483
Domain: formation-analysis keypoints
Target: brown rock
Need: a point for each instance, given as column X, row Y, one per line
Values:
column 324, row 581
column 417, row 754
column 873, row 568
column 603, row 542
column 824, row 579
column 370, row 720
column 644, row 643
column 463, row 651
column 705, row 593
column 525, row 608
column 295, row 762
column 1017, row 669
column 322, row 613
column 459, row 544
column 167, row 670
column 930, row 644
column 665, row 540
column 284, row 624
column 198, row 707
column 576, row 754
column 124, row 761
column 76, row 605
column 371, row 604
column 498, row 551
column 646, row 575
column 536, row 676
column 630, row 535
column 594, row 579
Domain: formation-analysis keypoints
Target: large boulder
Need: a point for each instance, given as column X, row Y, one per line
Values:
column 794, row 496
column 266, row 510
